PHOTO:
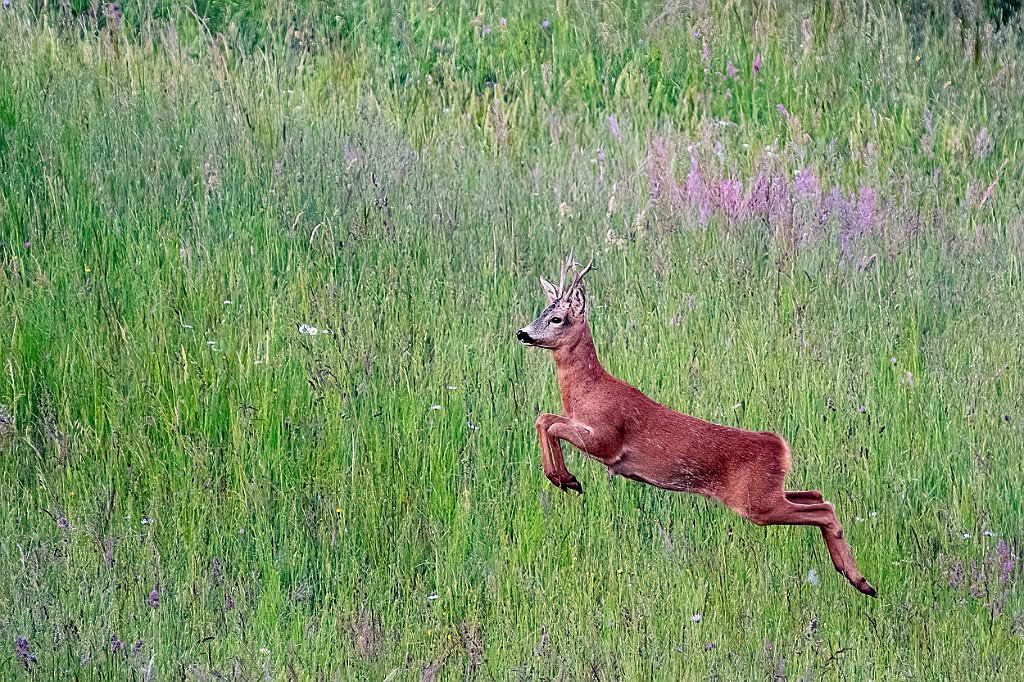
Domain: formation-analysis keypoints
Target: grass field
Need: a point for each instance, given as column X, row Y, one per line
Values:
column 805, row 219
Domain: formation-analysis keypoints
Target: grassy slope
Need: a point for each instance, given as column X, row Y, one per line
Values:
column 365, row 176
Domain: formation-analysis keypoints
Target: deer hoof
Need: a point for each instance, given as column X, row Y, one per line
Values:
column 864, row 586
column 571, row 484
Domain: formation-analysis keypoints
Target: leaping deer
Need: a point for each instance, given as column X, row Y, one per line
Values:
column 632, row 435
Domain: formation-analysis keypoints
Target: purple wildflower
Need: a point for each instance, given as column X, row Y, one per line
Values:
column 757, row 65
column 27, row 245
column 21, row 652
column 730, row 195
column 62, row 523
column 760, row 195
column 136, row 648
column 806, row 183
column 705, row 51
column 154, row 598
column 7, row 3
column 613, row 126
column 545, row 24
column 977, row 580
column 694, row 182
column 731, row 70
column 806, row 200
column 217, row 571
column 956, row 575
column 867, row 208
column 837, row 205
column 782, row 110
column 780, row 207
column 116, row 644
column 1006, row 560
column 229, row 603
column 502, row 21
column 862, row 409
column 697, row 192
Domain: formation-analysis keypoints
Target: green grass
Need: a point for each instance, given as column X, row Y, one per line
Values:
column 176, row 199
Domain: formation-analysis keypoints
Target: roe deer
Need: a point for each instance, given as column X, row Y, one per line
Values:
column 635, row 437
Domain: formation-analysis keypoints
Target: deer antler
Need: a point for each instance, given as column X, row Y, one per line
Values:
column 566, row 266
column 579, row 275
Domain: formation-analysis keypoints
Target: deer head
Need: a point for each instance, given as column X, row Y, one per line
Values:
column 565, row 318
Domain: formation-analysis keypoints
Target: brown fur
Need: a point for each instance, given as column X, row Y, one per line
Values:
column 638, row 438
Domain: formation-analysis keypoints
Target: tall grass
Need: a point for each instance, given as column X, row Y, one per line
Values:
column 193, row 484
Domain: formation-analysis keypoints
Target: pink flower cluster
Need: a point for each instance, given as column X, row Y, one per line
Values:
column 793, row 204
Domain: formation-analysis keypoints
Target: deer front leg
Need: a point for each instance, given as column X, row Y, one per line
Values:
column 551, row 454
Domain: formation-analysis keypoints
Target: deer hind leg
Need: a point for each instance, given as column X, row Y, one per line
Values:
column 822, row 515
column 804, row 496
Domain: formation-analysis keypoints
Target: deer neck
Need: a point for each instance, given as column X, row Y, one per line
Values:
column 578, row 368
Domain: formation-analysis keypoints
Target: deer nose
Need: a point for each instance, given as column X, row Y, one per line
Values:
column 523, row 337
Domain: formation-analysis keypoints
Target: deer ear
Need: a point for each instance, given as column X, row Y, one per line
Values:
column 578, row 300
column 549, row 289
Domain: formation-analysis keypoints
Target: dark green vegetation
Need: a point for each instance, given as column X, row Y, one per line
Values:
column 192, row 486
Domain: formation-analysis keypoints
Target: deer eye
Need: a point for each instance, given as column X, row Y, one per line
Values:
column 556, row 320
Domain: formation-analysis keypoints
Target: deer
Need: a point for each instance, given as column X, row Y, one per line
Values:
column 635, row 437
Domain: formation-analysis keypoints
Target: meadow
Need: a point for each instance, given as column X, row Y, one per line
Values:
column 262, row 412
